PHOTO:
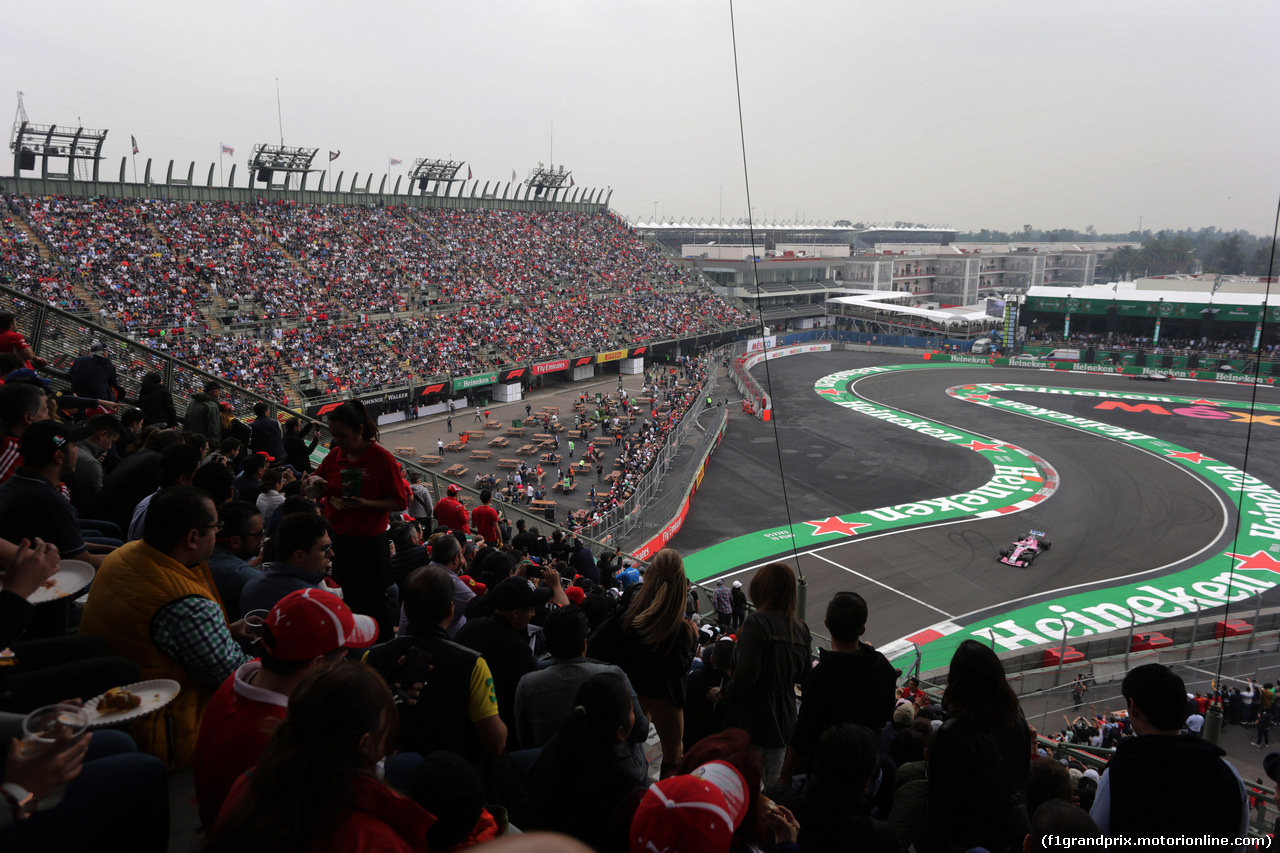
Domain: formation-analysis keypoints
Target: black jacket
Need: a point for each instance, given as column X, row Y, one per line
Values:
column 978, row 785
column 156, row 404
column 844, row 687
column 770, row 659
column 94, row 376
column 297, row 450
column 267, row 439
column 1172, row 785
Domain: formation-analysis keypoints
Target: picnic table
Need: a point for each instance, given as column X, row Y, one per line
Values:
column 458, row 470
column 550, row 410
column 543, row 504
column 498, row 442
column 528, row 450
column 427, row 459
column 482, row 455
column 613, row 476
column 509, row 464
column 551, row 457
column 560, row 486
column 493, row 424
column 603, row 441
column 544, row 436
column 532, row 422
column 515, row 432
column 475, row 433
column 406, row 451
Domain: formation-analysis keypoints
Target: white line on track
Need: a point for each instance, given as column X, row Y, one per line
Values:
column 882, row 584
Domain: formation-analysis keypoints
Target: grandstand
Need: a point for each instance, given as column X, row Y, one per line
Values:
column 316, row 298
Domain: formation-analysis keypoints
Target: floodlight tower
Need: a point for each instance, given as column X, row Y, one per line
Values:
column 268, row 159
column 545, row 178
column 426, row 171
column 30, row 141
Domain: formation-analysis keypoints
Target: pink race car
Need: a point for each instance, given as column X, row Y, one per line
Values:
column 1024, row 550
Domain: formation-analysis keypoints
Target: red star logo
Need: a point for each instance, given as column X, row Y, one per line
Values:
column 1204, row 403
column 1190, row 456
column 831, row 391
column 1258, row 561
column 979, row 396
column 835, row 525
column 978, row 445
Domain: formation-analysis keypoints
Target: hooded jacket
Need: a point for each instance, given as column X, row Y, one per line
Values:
column 204, row 416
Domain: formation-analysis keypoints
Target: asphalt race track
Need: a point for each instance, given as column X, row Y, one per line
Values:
column 1118, row 513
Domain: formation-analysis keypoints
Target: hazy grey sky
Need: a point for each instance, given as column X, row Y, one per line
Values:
column 993, row 113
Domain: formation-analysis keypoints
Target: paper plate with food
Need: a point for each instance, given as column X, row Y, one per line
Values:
column 120, row 704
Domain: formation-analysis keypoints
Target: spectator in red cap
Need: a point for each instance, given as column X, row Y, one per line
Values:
column 698, row 813
column 308, row 628
column 450, row 512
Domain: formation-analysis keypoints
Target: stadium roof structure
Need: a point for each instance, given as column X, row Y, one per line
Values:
column 1129, row 292
column 79, row 144
column 424, row 171
column 881, row 300
column 267, row 159
column 545, row 178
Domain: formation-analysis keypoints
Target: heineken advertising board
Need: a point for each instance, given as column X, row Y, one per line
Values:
column 474, row 380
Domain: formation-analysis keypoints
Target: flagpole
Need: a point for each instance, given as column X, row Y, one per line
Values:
column 135, row 167
column 220, row 175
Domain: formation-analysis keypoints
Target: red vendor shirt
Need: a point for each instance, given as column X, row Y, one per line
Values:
column 376, row 475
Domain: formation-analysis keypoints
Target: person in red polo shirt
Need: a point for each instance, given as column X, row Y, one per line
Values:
column 450, row 512
column 306, row 629
column 12, row 341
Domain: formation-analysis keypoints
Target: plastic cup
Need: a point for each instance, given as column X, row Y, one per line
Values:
column 42, row 726
column 254, row 620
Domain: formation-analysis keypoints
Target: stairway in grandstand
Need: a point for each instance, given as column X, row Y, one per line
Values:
column 431, row 293
column 48, row 254
column 11, row 219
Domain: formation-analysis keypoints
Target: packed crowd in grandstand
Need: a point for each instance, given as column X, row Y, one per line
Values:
column 313, row 285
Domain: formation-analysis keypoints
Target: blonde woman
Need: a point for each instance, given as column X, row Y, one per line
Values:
column 658, row 647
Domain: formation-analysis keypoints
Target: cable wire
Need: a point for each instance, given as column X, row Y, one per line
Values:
column 1248, row 435
column 755, row 275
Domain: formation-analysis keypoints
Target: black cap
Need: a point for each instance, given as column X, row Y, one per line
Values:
column 518, row 594
column 1271, row 766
